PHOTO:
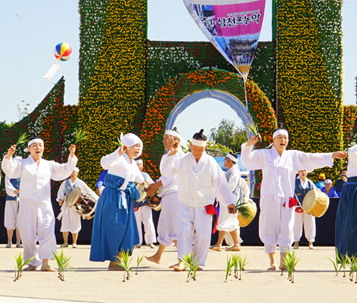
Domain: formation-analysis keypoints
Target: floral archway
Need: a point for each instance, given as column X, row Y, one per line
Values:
column 170, row 94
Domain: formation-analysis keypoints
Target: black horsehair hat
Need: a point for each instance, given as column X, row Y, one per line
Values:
column 200, row 136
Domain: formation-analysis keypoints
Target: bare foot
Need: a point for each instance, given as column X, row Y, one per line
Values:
column 153, row 259
column 113, row 266
column 282, row 267
column 199, row 268
column 47, row 268
column 179, row 267
column 30, row 267
column 272, row 267
column 172, row 266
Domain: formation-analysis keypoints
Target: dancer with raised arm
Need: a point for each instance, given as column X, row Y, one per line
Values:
column 168, row 191
column 36, row 217
column 280, row 166
column 114, row 226
column 200, row 180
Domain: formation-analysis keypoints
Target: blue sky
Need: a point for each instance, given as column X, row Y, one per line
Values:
column 30, row 29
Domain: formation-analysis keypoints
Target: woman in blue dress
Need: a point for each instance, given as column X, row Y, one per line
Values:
column 346, row 217
column 114, row 226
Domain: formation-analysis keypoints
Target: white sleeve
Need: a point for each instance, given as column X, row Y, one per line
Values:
column 170, row 166
column 9, row 188
column 11, row 167
column 233, row 181
column 245, row 188
column 311, row 161
column 61, row 191
column 63, row 171
column 252, row 160
column 220, row 185
column 107, row 160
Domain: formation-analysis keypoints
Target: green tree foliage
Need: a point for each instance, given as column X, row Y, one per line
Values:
column 4, row 126
column 228, row 134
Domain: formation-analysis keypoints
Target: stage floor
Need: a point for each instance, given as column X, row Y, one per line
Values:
column 315, row 280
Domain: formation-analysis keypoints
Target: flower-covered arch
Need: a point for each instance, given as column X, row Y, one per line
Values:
column 170, row 94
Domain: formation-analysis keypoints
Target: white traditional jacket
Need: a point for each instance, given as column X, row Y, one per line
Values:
column 169, row 185
column 36, row 179
column 279, row 171
column 198, row 187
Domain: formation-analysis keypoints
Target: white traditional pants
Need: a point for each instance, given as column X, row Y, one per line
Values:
column 194, row 219
column 144, row 214
column 167, row 225
column 11, row 214
column 71, row 221
column 276, row 224
column 37, row 223
column 309, row 226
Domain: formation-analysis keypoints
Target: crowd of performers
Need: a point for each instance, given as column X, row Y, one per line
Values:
column 188, row 186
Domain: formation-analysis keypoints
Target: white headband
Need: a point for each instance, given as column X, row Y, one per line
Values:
column 139, row 161
column 36, row 140
column 199, row 143
column 172, row 133
column 76, row 169
column 176, row 134
column 229, row 156
column 280, row 132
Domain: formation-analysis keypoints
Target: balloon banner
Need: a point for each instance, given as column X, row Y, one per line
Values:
column 232, row 26
column 51, row 71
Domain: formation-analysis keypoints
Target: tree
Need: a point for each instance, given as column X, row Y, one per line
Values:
column 229, row 134
column 5, row 126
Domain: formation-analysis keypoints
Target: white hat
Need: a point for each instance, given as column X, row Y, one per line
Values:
column 130, row 140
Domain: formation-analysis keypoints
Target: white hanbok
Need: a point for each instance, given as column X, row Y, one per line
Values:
column 70, row 218
column 144, row 215
column 276, row 223
column 168, row 220
column 36, row 217
column 199, row 184
column 11, row 206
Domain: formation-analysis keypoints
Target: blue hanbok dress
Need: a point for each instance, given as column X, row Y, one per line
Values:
column 346, row 216
column 114, row 226
column 346, row 220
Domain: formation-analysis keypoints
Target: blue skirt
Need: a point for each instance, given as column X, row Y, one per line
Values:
column 346, row 220
column 114, row 227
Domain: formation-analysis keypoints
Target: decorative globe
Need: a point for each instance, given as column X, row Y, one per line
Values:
column 63, row 51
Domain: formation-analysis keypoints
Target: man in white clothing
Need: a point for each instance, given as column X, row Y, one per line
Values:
column 71, row 219
column 36, row 218
column 167, row 225
column 200, row 180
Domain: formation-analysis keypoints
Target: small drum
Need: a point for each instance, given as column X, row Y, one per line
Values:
column 155, row 202
column 83, row 204
column 315, row 203
column 251, row 210
column 142, row 190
